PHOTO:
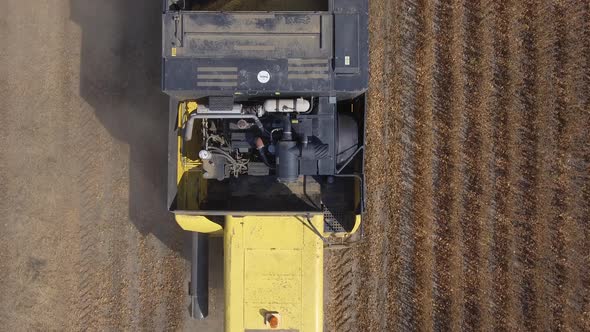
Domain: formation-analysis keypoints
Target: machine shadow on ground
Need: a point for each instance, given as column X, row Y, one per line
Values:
column 120, row 78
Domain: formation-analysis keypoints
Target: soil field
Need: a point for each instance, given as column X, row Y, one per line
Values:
column 86, row 241
column 478, row 172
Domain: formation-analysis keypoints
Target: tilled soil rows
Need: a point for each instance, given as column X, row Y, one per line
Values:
column 478, row 171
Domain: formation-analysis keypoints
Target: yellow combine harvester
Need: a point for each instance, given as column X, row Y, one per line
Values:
column 266, row 149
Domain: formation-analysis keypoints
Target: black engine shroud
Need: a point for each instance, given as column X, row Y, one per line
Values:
column 222, row 59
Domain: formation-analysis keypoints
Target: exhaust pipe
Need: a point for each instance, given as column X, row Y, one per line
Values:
column 199, row 285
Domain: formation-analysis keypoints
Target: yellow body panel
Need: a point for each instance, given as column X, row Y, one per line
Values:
column 357, row 224
column 188, row 177
column 197, row 224
column 273, row 264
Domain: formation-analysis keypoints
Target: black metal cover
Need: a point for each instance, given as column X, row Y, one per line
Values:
column 264, row 53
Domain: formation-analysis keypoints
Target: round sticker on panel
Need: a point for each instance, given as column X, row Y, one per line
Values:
column 263, row 76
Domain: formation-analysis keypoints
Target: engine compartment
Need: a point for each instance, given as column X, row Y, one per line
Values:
column 280, row 137
column 267, row 106
column 236, row 157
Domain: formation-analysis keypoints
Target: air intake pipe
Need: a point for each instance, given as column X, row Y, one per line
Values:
column 289, row 152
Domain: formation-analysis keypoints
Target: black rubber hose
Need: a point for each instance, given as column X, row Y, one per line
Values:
column 287, row 134
column 264, row 158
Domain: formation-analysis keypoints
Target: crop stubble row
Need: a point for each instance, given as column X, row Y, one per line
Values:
column 478, row 167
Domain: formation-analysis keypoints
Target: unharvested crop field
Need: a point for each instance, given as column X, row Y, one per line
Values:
column 478, row 172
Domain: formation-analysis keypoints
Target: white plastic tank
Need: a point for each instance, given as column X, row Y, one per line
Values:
column 298, row 105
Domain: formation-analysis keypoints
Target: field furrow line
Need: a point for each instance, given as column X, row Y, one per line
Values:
column 524, row 187
column 406, row 294
column 476, row 155
column 341, row 288
column 448, row 103
column 517, row 157
column 423, row 202
column 573, row 168
column 561, row 271
column 376, row 250
column 470, row 191
column 90, row 309
column 543, row 127
column 585, row 197
column 502, row 136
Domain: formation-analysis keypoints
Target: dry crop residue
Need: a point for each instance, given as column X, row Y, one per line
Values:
column 478, row 210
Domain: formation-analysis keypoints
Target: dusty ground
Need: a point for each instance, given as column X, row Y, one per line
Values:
column 85, row 238
column 478, row 211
